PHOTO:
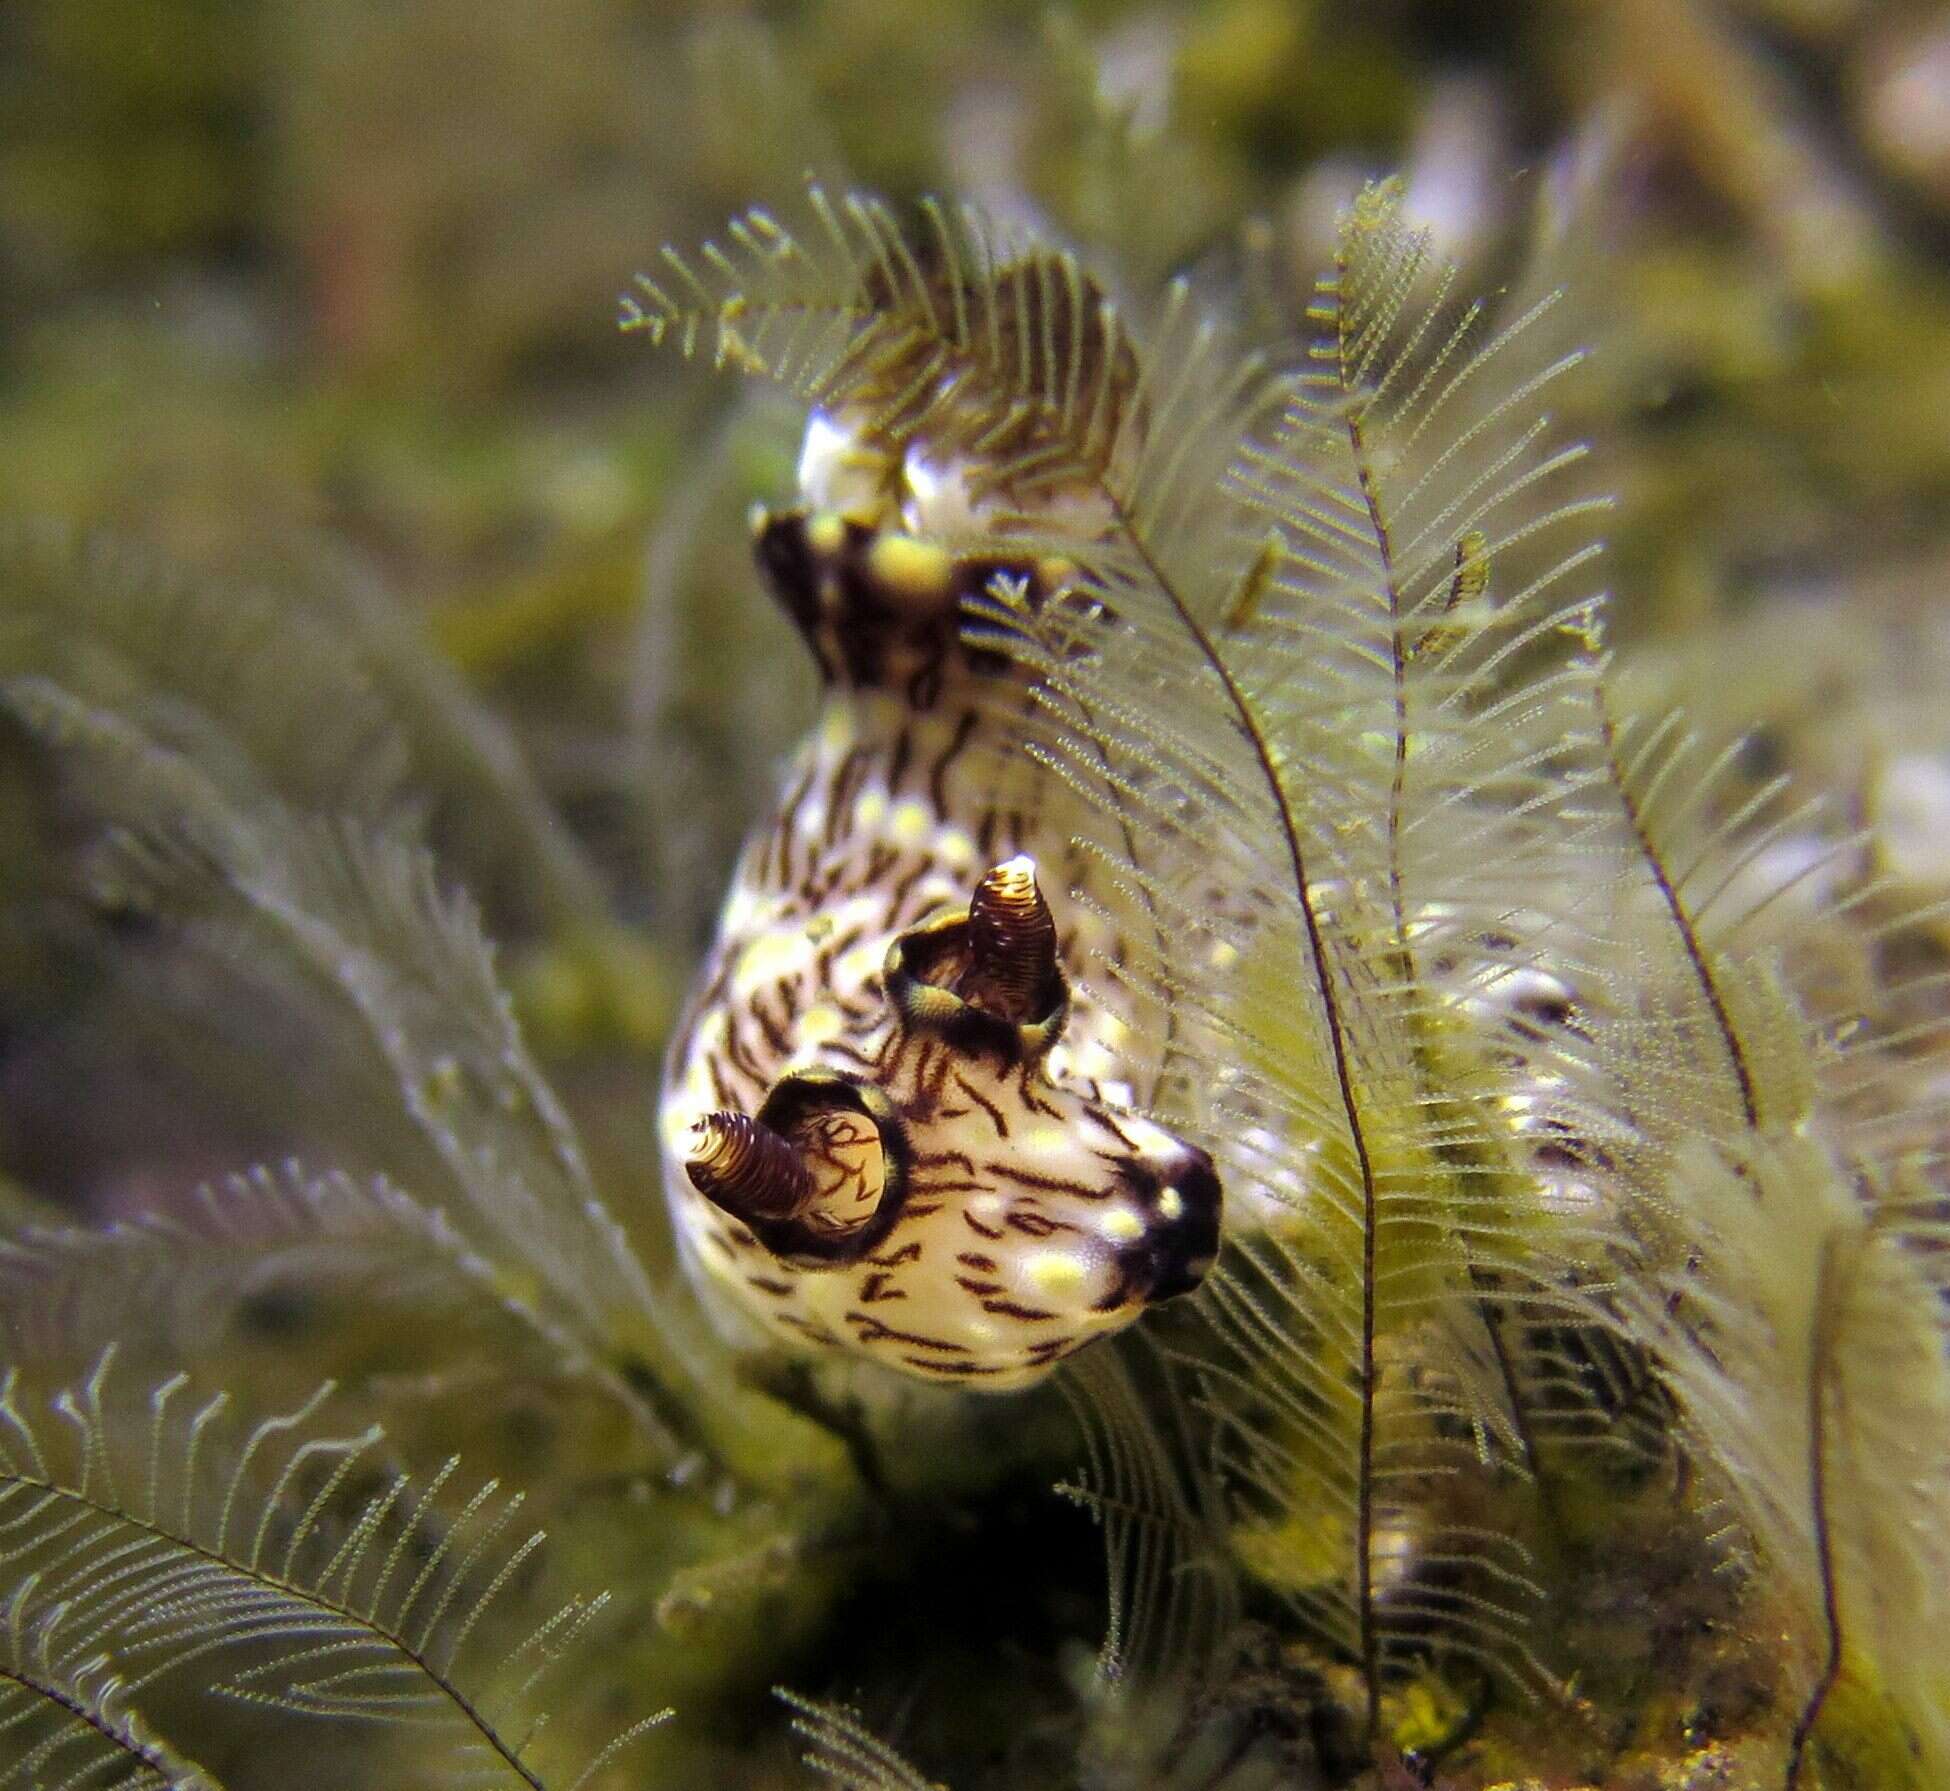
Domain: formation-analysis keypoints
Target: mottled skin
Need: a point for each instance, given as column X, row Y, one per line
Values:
column 890, row 1132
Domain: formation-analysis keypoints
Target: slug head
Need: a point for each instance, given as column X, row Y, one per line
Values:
column 958, row 1208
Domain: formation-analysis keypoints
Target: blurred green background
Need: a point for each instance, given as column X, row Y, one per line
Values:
column 319, row 297
column 323, row 296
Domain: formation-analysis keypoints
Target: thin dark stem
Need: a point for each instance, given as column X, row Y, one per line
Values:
column 1398, row 658
column 1168, row 1045
column 1743, row 1074
column 1262, row 750
column 1818, row 1517
column 454, row 1695
column 57, row 1695
column 1520, row 1417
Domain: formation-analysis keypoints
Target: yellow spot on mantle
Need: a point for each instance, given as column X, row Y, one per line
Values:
column 770, row 958
column 911, row 823
column 852, row 968
column 1055, row 1272
column 1121, row 1225
column 820, row 1022
column 913, row 568
column 835, row 729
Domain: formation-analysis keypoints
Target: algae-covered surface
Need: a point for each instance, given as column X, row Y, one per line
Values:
column 388, row 687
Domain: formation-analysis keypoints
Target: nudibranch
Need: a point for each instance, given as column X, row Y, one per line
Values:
column 897, row 1122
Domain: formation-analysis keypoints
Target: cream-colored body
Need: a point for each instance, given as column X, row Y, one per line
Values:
column 1037, row 1208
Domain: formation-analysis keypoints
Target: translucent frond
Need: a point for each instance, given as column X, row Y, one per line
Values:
column 177, row 1283
column 170, row 1556
column 320, row 694
column 995, row 357
column 1768, row 932
column 1687, row 860
column 1342, row 766
column 1458, row 974
column 460, row 747
column 65, row 1719
column 366, row 917
column 1172, row 1597
column 925, row 335
column 1806, row 1347
column 268, row 699
column 843, row 1751
column 1474, row 964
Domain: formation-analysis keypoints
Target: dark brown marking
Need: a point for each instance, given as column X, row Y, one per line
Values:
column 719, row 987
column 821, row 883
column 1035, row 1225
column 923, row 1061
column 1049, row 1184
column 958, row 1159
column 981, row 1100
column 924, row 687
column 1032, row 1100
column 869, row 1329
column 1033, row 1315
column 897, row 896
column 965, row 726
column 783, row 832
column 1120, row 1290
column 845, row 1048
column 817, row 1332
column 776, row 1034
column 875, row 1289
column 736, row 1052
column 836, row 947
column 933, row 1080
column 839, row 807
column 975, row 1260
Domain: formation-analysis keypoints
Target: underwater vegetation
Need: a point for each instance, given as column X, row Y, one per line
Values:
column 1275, row 1170
column 1556, row 1190
column 1575, row 1356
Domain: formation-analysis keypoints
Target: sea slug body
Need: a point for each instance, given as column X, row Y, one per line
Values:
column 898, row 1122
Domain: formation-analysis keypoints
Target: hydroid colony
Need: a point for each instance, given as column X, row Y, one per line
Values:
column 1567, row 1400
column 1456, row 976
